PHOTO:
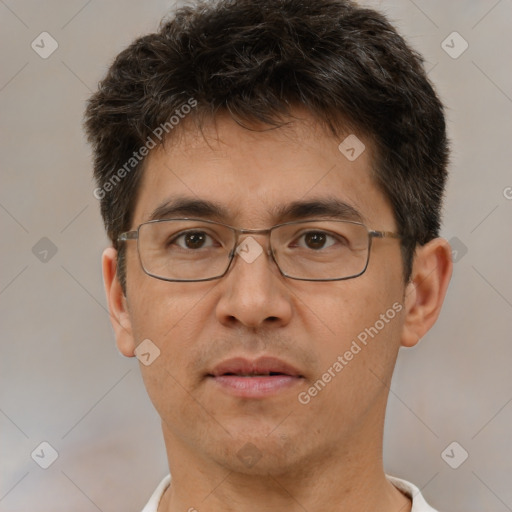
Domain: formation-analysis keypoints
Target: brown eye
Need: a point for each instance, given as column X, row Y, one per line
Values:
column 192, row 240
column 315, row 240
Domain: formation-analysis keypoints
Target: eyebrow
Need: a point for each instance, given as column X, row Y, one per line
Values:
column 327, row 207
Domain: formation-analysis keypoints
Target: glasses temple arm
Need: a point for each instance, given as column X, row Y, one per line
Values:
column 128, row 235
column 384, row 234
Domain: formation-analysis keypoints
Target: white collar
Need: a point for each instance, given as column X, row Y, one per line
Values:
column 418, row 502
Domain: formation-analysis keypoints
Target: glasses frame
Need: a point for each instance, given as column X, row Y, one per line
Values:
column 134, row 235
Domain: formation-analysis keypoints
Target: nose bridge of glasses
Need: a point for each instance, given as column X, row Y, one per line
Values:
column 261, row 237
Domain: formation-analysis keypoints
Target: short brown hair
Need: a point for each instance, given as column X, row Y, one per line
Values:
column 256, row 59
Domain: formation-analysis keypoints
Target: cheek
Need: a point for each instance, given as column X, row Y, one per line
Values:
column 355, row 327
column 174, row 317
column 159, row 309
column 357, row 353
column 171, row 322
column 341, row 310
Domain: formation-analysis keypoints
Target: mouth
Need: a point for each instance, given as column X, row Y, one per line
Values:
column 258, row 378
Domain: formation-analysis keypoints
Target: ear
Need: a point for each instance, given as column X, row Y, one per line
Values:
column 425, row 292
column 117, row 304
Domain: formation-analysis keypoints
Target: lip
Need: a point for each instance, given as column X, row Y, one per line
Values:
column 257, row 378
column 261, row 366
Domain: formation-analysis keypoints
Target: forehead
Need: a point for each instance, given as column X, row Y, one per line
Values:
column 256, row 177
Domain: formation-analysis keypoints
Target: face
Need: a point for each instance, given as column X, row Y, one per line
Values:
column 345, row 334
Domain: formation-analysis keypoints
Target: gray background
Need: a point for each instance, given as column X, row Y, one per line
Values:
column 62, row 379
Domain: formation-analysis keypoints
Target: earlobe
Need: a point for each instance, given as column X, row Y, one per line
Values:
column 117, row 304
column 425, row 293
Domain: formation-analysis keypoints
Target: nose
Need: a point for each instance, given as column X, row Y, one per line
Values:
column 253, row 292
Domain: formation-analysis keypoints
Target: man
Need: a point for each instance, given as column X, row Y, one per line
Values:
column 271, row 177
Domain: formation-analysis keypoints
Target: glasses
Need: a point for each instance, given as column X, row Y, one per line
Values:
column 187, row 250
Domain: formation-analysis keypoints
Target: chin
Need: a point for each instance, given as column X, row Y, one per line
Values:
column 259, row 451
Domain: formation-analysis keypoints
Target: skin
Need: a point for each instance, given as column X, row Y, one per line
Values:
column 325, row 455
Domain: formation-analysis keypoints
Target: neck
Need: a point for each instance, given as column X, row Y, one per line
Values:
column 346, row 476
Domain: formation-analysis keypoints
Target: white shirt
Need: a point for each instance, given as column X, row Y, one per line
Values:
column 418, row 502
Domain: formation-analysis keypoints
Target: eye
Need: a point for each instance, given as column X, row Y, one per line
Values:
column 192, row 240
column 316, row 240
